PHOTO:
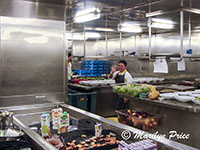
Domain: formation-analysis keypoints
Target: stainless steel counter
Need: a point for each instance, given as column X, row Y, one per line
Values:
column 191, row 107
column 178, row 116
column 26, row 115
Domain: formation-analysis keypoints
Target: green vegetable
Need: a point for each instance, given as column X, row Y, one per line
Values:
column 116, row 89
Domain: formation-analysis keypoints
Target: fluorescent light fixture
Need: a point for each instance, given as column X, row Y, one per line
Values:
column 159, row 20
column 162, row 26
column 197, row 30
column 197, row 27
column 162, row 23
column 100, row 29
column 74, row 36
column 192, row 10
column 129, row 27
column 91, row 35
column 80, row 36
column 87, row 15
column 155, row 13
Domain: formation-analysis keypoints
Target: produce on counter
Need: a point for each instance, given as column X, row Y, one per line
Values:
column 138, row 119
column 154, row 95
column 77, row 79
column 198, row 98
column 131, row 90
column 197, row 84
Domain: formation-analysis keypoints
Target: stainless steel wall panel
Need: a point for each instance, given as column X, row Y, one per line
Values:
column 144, row 68
column 161, row 43
column 32, row 53
column 28, row 9
column 78, row 48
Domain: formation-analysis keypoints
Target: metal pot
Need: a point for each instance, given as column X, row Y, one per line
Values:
column 11, row 138
column 6, row 119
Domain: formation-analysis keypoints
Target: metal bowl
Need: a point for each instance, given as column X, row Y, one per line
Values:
column 12, row 138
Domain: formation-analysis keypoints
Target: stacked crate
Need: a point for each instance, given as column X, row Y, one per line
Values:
column 94, row 68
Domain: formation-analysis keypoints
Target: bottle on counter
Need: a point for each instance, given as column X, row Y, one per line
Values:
column 45, row 124
column 98, row 129
column 63, row 122
column 55, row 113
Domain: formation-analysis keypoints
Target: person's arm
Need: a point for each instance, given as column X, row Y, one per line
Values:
column 113, row 69
column 128, row 78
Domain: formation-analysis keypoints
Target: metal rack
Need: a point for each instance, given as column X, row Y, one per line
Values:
column 181, row 11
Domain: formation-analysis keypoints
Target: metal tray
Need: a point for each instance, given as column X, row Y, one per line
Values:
column 143, row 123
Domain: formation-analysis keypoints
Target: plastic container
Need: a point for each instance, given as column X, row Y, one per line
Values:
column 144, row 123
column 55, row 113
column 63, row 122
column 45, row 124
column 144, row 95
column 85, row 101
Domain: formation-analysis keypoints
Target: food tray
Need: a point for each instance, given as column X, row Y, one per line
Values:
column 76, row 135
column 143, row 123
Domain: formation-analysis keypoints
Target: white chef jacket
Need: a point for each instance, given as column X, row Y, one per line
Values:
column 69, row 66
column 127, row 78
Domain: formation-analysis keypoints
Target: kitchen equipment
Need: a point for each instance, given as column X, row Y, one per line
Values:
column 144, row 123
column 187, row 93
column 11, row 135
column 6, row 120
column 168, row 95
column 195, row 95
column 196, row 91
column 184, row 98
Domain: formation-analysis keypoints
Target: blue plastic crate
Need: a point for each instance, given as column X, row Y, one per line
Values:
column 91, row 66
column 100, row 72
column 100, row 69
column 88, row 69
column 76, row 71
column 101, row 62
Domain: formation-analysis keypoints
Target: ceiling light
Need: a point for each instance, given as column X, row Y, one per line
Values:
column 162, row 23
column 196, row 30
column 87, row 15
column 92, row 35
column 160, row 20
column 74, row 36
column 100, row 29
column 80, row 36
column 192, row 10
column 162, row 26
column 129, row 27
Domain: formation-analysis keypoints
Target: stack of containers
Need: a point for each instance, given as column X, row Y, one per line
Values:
column 94, row 68
column 107, row 67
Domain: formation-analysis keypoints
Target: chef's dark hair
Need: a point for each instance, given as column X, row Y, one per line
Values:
column 123, row 62
column 69, row 54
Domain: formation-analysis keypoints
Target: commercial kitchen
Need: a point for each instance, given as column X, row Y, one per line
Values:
column 59, row 82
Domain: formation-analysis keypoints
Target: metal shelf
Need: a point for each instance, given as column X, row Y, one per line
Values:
column 191, row 107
